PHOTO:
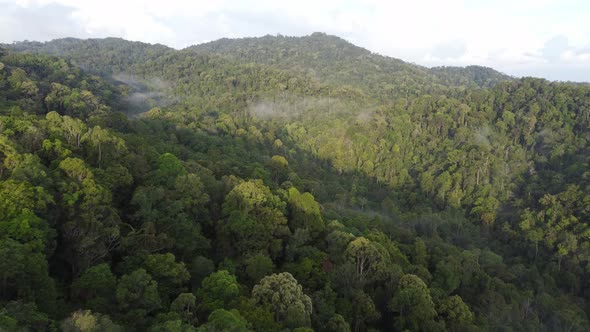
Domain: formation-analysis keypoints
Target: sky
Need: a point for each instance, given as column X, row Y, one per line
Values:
column 542, row 38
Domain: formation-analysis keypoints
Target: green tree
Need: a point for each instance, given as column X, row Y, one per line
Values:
column 100, row 138
column 219, row 290
column 279, row 167
column 55, row 100
column 95, row 288
column 305, row 212
column 363, row 310
column 224, row 320
column 21, row 315
column 337, row 324
column 255, row 219
column 24, row 274
column 169, row 274
column 169, row 168
column 20, row 206
column 91, row 229
column 368, row 258
column 139, row 292
column 199, row 269
column 286, row 298
column 455, row 312
column 258, row 266
column 485, row 208
column 412, row 304
column 185, row 306
column 420, row 255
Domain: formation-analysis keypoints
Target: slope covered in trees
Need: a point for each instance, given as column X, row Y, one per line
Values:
column 326, row 58
column 108, row 55
column 334, row 60
column 469, row 76
column 283, row 183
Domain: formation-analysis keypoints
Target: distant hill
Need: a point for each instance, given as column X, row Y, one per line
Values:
column 478, row 75
column 334, row 60
column 108, row 55
column 329, row 59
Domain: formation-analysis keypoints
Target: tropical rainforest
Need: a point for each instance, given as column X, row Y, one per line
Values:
column 287, row 184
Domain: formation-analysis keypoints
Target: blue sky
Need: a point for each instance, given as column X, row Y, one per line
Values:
column 543, row 38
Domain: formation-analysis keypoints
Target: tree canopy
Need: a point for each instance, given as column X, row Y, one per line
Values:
column 286, row 183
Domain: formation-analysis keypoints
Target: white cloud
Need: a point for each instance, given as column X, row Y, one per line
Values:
column 574, row 57
column 505, row 34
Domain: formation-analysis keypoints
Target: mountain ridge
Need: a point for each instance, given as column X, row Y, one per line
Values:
column 245, row 50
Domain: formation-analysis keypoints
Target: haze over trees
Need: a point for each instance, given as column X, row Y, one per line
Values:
column 286, row 184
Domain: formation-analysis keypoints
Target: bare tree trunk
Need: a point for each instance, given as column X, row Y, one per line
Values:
column 99, row 154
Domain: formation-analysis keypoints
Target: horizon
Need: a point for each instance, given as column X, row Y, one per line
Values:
column 548, row 38
column 287, row 36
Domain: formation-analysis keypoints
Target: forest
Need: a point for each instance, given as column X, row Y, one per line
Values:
column 287, row 184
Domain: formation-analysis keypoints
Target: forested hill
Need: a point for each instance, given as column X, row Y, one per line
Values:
column 469, row 76
column 287, row 184
column 334, row 60
column 108, row 55
column 329, row 59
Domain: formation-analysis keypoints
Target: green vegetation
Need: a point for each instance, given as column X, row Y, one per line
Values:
column 286, row 184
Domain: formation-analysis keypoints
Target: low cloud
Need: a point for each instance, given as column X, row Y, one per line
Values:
column 145, row 93
column 293, row 107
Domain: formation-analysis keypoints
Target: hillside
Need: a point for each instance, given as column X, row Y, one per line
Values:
column 334, row 60
column 108, row 55
column 326, row 58
column 471, row 75
column 369, row 193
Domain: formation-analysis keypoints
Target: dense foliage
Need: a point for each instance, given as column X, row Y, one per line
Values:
column 286, row 184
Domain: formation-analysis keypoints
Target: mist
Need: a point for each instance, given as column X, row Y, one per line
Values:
column 145, row 94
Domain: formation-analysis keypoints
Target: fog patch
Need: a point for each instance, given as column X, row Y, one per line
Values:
column 481, row 137
column 300, row 108
column 144, row 93
column 142, row 84
column 547, row 139
column 365, row 116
